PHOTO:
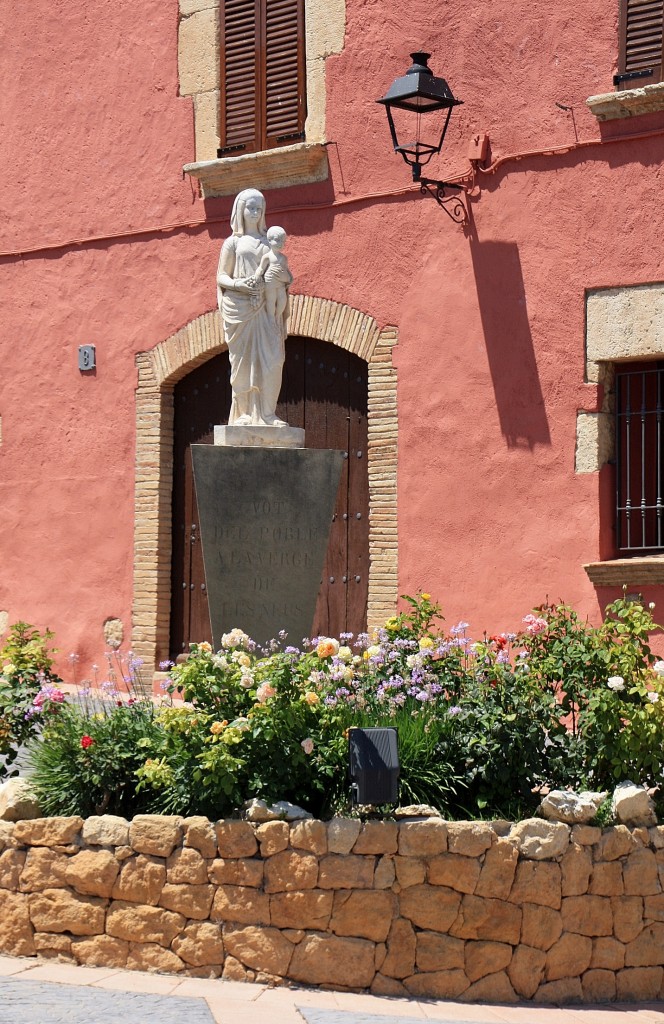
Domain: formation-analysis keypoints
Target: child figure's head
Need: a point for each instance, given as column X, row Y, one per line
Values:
column 277, row 238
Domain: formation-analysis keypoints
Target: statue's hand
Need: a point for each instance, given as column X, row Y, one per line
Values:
column 246, row 286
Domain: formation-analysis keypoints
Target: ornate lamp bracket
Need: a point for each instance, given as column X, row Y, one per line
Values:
column 453, row 205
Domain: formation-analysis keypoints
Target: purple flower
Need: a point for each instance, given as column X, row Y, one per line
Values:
column 165, row 665
column 454, row 710
column 502, row 658
column 459, row 628
column 291, row 650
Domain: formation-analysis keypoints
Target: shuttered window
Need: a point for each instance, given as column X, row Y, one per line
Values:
column 262, row 75
column 641, row 43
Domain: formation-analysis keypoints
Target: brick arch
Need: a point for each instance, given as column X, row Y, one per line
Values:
column 162, row 367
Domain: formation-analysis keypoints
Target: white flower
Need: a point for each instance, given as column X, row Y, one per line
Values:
column 345, row 653
column 236, row 638
column 307, row 745
column 615, row 683
column 653, row 697
column 219, row 661
column 658, row 668
column 247, row 681
column 651, row 606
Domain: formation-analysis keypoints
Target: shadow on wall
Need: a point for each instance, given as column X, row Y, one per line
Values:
column 509, row 344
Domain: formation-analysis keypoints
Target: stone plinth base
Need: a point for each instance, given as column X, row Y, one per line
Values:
column 259, row 437
column 265, row 516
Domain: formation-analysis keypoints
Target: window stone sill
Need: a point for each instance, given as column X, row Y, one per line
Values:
column 629, row 103
column 300, row 164
column 627, row 572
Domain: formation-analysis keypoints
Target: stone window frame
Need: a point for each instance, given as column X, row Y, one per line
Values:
column 162, row 367
column 623, row 324
column 199, row 71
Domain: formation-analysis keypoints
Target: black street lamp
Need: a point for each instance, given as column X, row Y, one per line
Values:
column 420, row 93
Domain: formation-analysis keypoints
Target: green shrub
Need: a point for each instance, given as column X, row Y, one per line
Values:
column 26, row 675
column 89, row 756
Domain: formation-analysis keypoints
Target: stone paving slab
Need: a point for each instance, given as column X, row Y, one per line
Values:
column 348, row 1017
column 34, row 1002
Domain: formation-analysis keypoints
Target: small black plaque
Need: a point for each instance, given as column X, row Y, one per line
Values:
column 265, row 516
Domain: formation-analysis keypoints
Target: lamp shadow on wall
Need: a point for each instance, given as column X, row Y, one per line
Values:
column 502, row 302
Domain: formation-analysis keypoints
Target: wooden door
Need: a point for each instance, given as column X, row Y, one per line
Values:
column 324, row 390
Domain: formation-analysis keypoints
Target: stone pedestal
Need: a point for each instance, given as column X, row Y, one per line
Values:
column 259, row 437
column 265, row 516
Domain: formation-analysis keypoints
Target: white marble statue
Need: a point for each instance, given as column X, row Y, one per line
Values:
column 252, row 291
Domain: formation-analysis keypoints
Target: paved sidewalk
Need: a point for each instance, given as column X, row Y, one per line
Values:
column 34, row 992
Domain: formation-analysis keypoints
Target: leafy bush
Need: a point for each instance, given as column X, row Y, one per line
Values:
column 26, row 675
column 93, row 744
column 88, row 760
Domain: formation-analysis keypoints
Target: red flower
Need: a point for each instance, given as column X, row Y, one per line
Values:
column 86, row 741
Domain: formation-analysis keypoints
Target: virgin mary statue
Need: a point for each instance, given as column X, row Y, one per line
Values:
column 255, row 339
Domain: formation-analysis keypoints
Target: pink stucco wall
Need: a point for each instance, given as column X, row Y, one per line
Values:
column 492, row 517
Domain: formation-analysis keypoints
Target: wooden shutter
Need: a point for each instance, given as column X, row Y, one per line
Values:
column 283, row 72
column 240, row 49
column 262, row 74
column 641, row 42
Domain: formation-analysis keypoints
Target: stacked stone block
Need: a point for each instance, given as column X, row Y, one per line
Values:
column 459, row 910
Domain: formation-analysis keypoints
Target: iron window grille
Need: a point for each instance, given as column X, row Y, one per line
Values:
column 639, row 460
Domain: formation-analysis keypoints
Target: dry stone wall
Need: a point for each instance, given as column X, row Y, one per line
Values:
column 460, row 910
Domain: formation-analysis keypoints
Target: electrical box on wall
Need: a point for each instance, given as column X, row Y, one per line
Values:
column 478, row 147
column 86, row 357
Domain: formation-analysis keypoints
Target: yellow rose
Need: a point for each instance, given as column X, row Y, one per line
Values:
column 218, row 727
column 345, row 653
column 392, row 623
column 426, row 597
column 311, row 698
column 425, row 643
column 205, row 646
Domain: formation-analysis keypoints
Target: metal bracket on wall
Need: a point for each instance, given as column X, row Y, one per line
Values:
column 453, row 205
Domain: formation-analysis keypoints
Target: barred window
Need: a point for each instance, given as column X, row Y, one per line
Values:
column 639, row 393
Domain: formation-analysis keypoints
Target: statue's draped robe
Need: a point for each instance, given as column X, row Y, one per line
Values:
column 255, row 341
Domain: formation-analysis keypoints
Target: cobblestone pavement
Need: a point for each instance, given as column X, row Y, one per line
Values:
column 78, row 1004
column 47, row 992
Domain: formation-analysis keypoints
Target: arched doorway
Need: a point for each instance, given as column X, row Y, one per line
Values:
column 324, row 390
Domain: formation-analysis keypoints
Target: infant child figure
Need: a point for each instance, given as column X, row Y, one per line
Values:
column 275, row 273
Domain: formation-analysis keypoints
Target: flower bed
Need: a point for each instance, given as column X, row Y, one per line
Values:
column 460, row 910
column 483, row 725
